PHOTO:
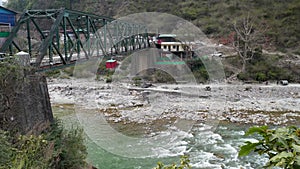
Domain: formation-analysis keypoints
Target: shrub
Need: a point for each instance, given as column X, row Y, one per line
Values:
column 184, row 164
column 137, row 80
column 282, row 145
column 108, row 79
column 28, row 152
column 201, row 75
column 163, row 77
column 55, row 148
column 272, row 75
column 5, row 149
column 243, row 76
column 261, row 77
column 53, row 73
column 66, row 146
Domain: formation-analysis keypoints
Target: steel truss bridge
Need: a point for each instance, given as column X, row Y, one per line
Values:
column 58, row 38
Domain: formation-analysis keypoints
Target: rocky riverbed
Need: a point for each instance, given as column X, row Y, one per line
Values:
column 125, row 103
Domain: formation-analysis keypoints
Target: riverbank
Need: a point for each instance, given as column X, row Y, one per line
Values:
column 124, row 103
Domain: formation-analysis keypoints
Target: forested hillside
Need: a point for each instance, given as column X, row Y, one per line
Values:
column 281, row 18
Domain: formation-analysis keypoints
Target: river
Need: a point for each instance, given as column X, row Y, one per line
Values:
column 206, row 148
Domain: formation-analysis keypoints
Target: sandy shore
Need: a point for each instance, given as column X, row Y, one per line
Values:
column 241, row 103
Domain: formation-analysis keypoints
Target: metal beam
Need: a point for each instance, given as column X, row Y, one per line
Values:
column 48, row 40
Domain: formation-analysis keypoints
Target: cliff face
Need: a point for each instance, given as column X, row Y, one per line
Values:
column 25, row 103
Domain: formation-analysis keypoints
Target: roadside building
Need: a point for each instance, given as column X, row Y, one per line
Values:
column 7, row 21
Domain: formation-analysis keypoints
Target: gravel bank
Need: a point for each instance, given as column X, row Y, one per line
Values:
column 241, row 103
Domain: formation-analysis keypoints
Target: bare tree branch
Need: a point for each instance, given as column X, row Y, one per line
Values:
column 246, row 39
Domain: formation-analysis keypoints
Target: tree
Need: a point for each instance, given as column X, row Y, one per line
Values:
column 282, row 145
column 21, row 5
column 17, row 5
column 247, row 39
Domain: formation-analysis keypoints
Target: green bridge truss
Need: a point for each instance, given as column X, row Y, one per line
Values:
column 60, row 37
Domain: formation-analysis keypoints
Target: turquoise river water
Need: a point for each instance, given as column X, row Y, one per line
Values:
column 207, row 150
column 217, row 149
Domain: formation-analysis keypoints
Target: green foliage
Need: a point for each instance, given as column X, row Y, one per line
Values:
column 201, row 75
column 28, row 152
column 5, row 149
column 282, row 145
column 153, row 75
column 198, row 69
column 184, row 164
column 261, row 77
column 137, row 80
column 163, row 77
column 269, row 67
column 108, row 79
column 53, row 73
column 102, row 70
column 55, row 148
column 67, row 147
column 243, row 76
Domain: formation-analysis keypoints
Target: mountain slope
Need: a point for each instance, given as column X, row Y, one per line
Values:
column 215, row 17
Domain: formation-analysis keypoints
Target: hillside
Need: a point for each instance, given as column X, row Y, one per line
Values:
column 281, row 18
column 276, row 21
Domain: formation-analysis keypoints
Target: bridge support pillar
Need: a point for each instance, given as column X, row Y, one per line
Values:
column 26, row 105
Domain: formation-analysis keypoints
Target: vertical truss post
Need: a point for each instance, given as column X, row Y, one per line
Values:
column 98, row 46
column 78, row 43
column 143, row 38
column 58, row 39
column 88, row 35
column 132, row 38
column 139, row 37
column 128, row 36
column 50, row 54
column 76, row 36
column 104, row 35
column 28, row 36
column 147, row 42
column 125, row 37
column 65, row 36
column 10, row 49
